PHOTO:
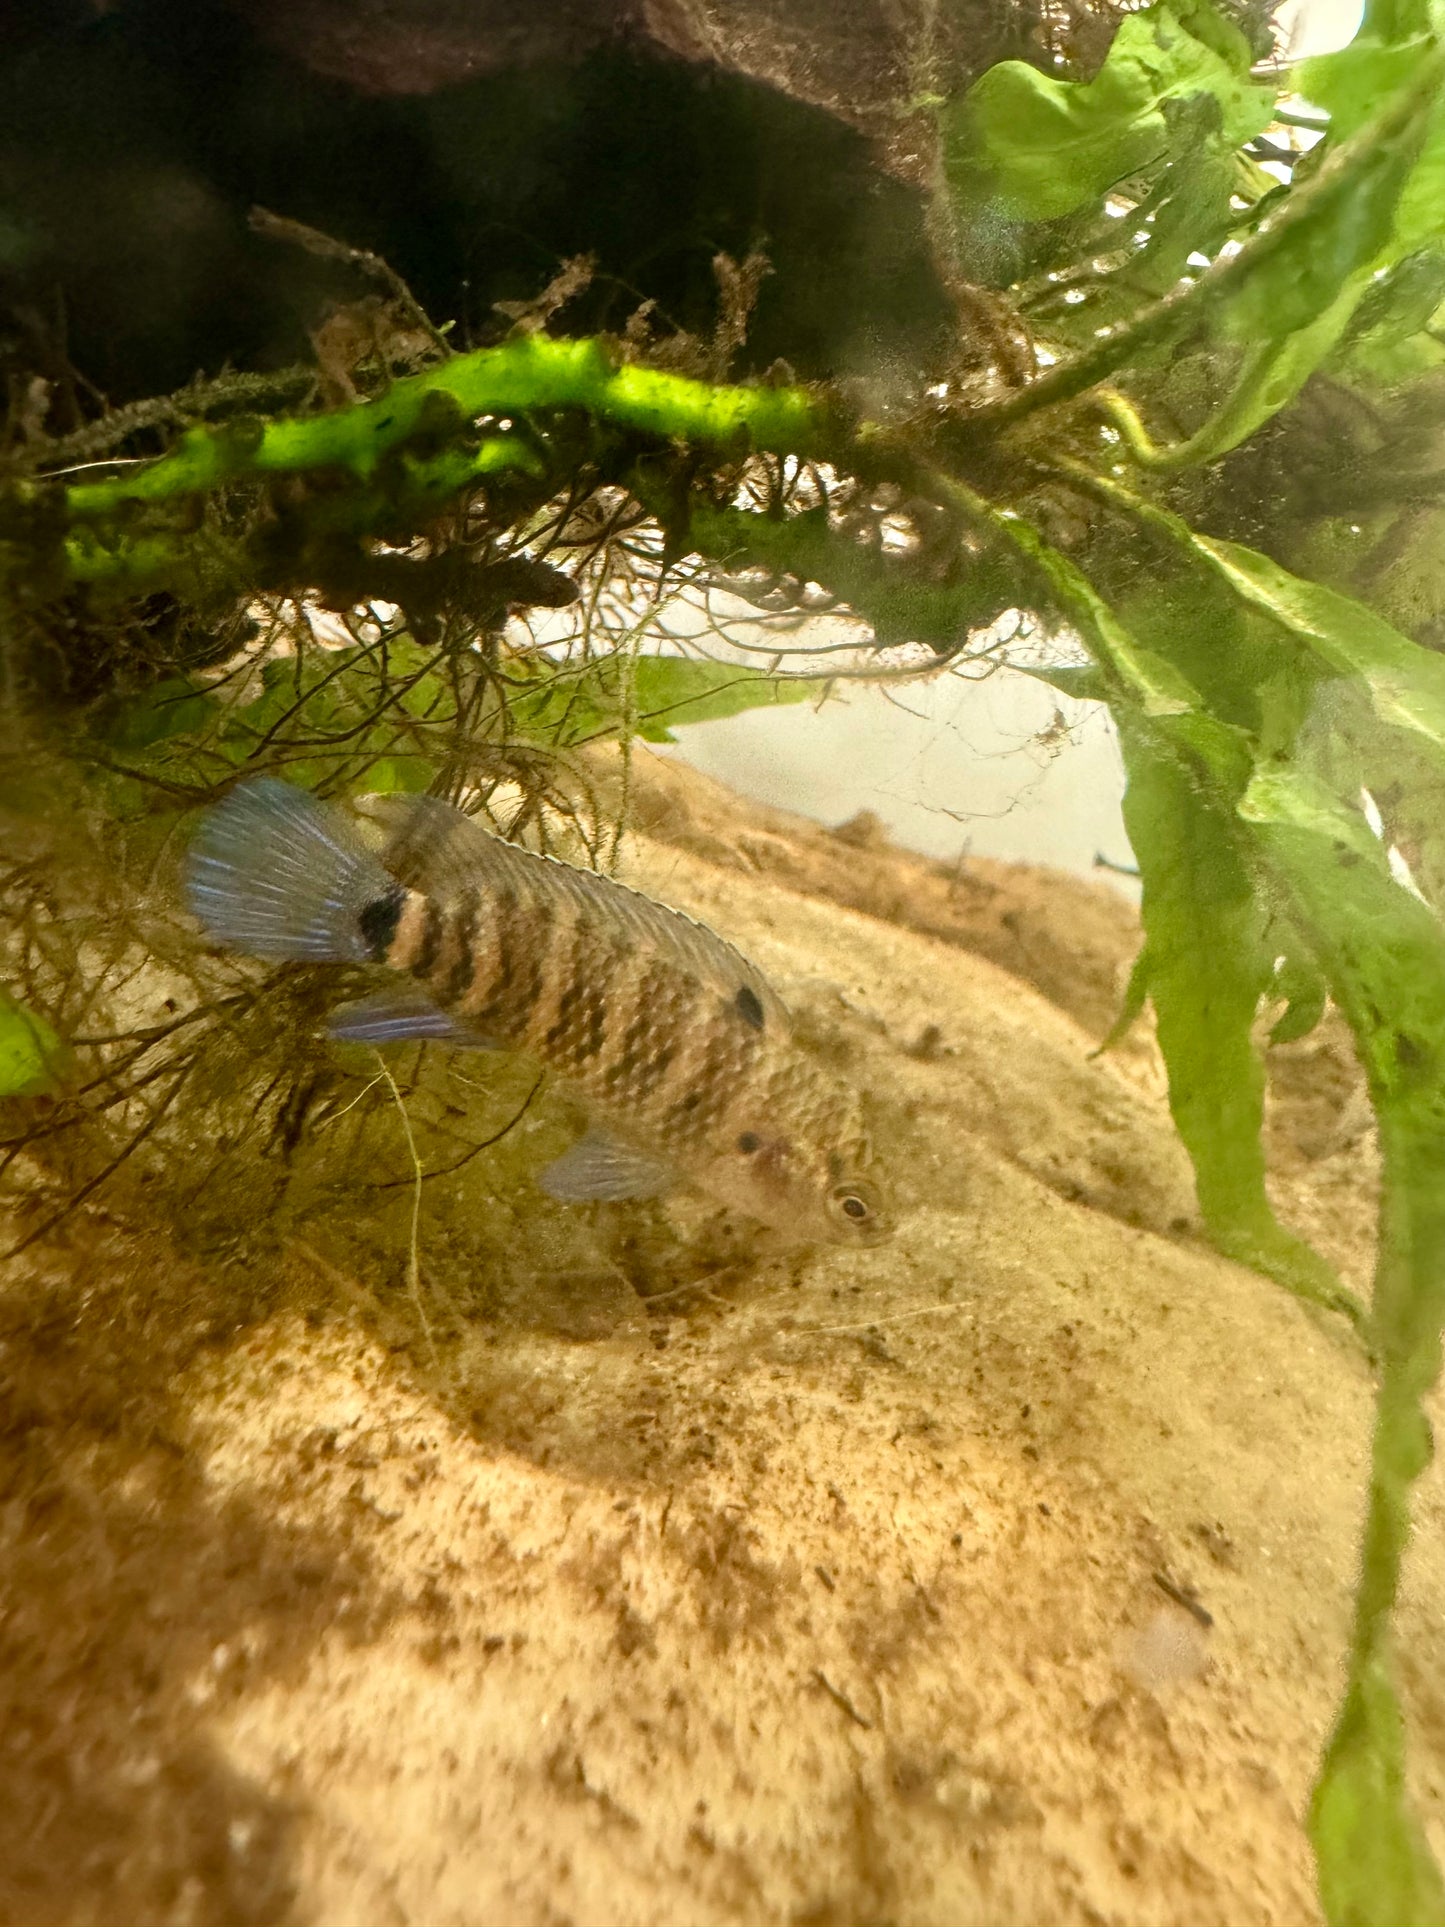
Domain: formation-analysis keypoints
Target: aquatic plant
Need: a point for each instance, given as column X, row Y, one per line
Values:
column 1191, row 427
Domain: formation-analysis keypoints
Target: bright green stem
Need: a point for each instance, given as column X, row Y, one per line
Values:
column 532, row 372
column 108, row 555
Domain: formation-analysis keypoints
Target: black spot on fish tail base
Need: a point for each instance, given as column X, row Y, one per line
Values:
column 378, row 921
column 748, row 1006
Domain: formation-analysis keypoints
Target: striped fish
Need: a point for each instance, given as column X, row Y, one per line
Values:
column 680, row 1047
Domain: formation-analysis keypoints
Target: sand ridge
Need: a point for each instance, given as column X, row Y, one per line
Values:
column 996, row 1575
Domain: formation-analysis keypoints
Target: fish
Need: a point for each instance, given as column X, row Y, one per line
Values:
column 682, row 1052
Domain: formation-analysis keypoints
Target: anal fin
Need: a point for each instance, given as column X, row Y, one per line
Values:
column 600, row 1166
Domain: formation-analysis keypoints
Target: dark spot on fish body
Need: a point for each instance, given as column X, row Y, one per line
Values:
column 749, row 1142
column 378, row 921
column 749, row 1007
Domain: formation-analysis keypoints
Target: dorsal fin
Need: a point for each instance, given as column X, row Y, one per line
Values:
column 436, row 849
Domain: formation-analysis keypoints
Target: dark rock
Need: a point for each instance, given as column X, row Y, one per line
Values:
column 134, row 141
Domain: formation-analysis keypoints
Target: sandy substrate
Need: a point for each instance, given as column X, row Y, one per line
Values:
column 1000, row 1575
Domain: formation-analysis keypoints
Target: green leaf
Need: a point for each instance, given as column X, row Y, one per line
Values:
column 1269, row 376
column 410, row 775
column 1126, row 670
column 1375, row 1865
column 1047, row 147
column 175, row 707
column 1355, row 83
column 1291, row 296
column 645, row 696
column 28, row 1050
column 674, row 690
column 899, row 607
column 1208, row 969
column 334, row 718
column 1216, row 31
column 1398, row 19
column 1131, row 1004
column 1080, row 680
column 1303, row 989
column 1405, row 683
column 1208, row 959
column 1384, row 954
column 1332, row 252
column 1387, row 342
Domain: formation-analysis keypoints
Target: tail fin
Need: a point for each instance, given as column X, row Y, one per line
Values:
column 275, row 873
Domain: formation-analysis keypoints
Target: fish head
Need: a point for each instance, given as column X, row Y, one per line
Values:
column 801, row 1186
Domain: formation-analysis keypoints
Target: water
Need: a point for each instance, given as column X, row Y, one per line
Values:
column 1002, row 768
column 391, row 1532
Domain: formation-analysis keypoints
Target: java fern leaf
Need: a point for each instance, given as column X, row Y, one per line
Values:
column 1379, row 199
column 28, row 1050
column 1208, row 967
column 1384, row 953
column 1047, row 147
column 1208, row 961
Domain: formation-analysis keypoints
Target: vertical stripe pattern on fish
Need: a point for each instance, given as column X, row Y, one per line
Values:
column 682, row 1050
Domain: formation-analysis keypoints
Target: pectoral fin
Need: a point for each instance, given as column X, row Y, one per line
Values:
column 401, row 1013
column 601, row 1166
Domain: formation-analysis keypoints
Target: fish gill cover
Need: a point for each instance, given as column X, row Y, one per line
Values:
column 1177, row 450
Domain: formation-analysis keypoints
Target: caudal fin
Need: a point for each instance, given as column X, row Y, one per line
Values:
column 275, row 873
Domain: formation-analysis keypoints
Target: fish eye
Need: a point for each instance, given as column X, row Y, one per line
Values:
column 858, row 1211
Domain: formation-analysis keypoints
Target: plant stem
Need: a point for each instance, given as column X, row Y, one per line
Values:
column 532, row 372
